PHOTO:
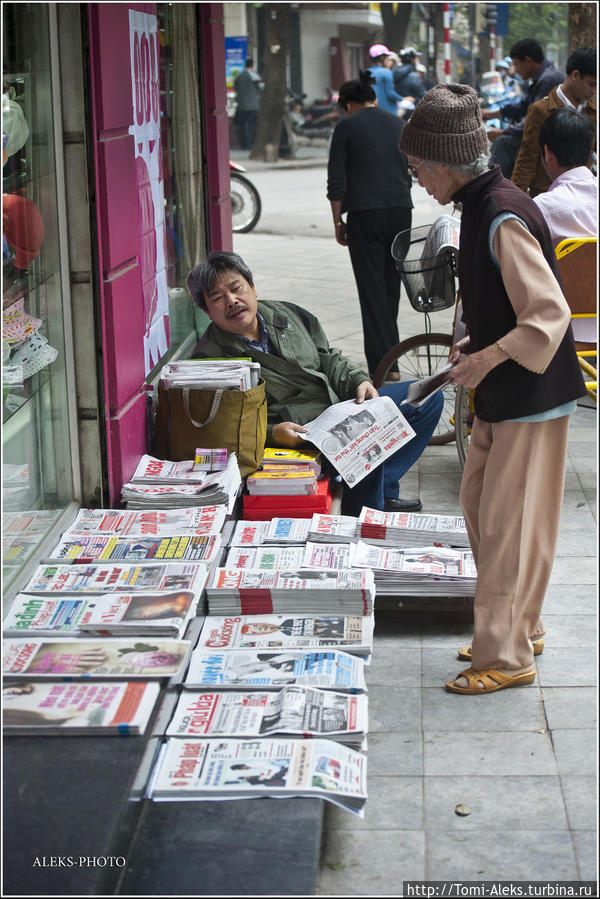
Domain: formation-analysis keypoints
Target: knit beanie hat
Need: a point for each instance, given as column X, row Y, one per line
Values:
column 446, row 126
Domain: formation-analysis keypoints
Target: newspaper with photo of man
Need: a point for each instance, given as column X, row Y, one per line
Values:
column 358, row 437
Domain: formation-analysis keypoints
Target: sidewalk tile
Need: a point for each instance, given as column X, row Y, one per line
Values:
column 574, row 570
column 570, row 707
column 562, row 667
column 395, row 754
column 566, row 630
column 506, row 753
column 509, row 710
column 496, row 802
column 581, row 801
column 498, row 854
column 371, row 863
column 586, row 851
column 395, row 803
column 574, row 599
column 441, row 664
column 583, row 542
column 395, row 709
column 575, row 751
column 390, row 667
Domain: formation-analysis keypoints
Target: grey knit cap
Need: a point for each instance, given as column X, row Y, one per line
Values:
column 446, row 126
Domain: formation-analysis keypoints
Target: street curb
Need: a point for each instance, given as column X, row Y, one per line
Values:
column 255, row 165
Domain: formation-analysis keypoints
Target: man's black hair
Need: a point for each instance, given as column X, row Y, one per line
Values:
column 569, row 135
column 357, row 91
column 205, row 274
column 582, row 61
column 527, row 47
column 249, row 62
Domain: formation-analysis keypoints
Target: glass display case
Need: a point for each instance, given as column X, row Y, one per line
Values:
column 37, row 463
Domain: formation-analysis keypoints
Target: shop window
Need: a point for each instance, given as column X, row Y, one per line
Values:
column 37, row 465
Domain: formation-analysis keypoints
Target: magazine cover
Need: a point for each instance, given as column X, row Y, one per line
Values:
column 120, row 708
column 198, row 521
column 161, row 578
column 141, row 613
column 41, row 615
column 271, row 632
column 101, row 657
column 100, row 548
column 245, row 669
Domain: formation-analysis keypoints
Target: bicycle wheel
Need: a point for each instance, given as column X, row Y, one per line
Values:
column 463, row 417
column 418, row 357
column 245, row 204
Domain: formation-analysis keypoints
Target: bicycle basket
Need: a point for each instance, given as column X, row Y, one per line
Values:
column 425, row 259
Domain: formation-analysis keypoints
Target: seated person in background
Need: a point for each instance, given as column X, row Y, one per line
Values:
column 303, row 374
column 576, row 92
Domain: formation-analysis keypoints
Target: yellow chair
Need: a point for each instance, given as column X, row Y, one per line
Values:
column 577, row 264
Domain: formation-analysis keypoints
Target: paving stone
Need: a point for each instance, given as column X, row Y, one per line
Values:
column 562, row 667
column 583, row 542
column 574, row 570
column 497, row 802
column 395, row 709
column 391, row 666
column 440, row 665
column 371, row 863
column 586, row 852
column 508, row 710
column 564, row 630
column 574, row 599
column 581, row 801
column 570, row 707
column 395, row 803
column 500, row 854
column 575, row 751
column 510, row 753
column 395, row 754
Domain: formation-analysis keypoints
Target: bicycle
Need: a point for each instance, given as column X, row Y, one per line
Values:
column 425, row 258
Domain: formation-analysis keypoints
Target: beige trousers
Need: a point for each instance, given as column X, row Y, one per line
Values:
column 511, row 495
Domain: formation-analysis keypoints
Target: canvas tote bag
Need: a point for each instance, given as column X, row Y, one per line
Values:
column 187, row 418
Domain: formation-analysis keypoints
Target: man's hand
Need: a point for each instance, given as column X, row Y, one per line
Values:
column 460, row 347
column 487, row 114
column 365, row 391
column 493, row 133
column 340, row 233
column 472, row 369
column 286, row 433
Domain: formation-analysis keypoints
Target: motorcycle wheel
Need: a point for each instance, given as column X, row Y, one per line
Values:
column 245, row 204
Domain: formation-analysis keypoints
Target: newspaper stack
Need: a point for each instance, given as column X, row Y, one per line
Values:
column 282, row 480
column 253, row 591
column 109, row 614
column 279, row 633
column 196, row 522
column 232, row 769
column 333, row 528
column 424, row 571
column 199, row 489
column 121, row 578
column 410, row 529
column 293, row 711
column 249, row 670
column 97, row 548
column 287, row 531
column 211, row 374
column 161, row 471
column 281, row 558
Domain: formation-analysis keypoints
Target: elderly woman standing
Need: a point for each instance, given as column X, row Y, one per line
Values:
column 368, row 178
column 519, row 356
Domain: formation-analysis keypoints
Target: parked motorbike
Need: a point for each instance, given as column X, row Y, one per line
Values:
column 245, row 200
column 316, row 120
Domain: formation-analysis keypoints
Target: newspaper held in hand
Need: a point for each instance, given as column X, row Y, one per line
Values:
column 102, row 657
column 247, row 769
column 420, row 391
column 78, row 708
column 249, row 670
column 358, row 437
column 351, row 633
column 295, row 711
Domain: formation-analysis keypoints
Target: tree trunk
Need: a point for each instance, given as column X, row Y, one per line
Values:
column 582, row 25
column 396, row 18
column 273, row 71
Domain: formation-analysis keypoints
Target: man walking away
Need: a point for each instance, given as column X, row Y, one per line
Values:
column 247, row 91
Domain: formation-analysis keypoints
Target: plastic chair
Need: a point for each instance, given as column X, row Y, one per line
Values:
column 578, row 270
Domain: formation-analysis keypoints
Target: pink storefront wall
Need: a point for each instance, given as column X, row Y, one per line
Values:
column 129, row 189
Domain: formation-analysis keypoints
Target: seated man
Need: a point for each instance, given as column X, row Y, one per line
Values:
column 570, row 204
column 303, row 374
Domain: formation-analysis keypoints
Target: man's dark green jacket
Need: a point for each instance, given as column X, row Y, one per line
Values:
column 304, row 378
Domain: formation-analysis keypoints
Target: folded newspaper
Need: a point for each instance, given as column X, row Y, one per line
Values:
column 278, row 558
column 211, row 374
column 424, row 571
column 357, row 438
column 293, row 711
column 277, row 530
column 122, row 578
column 247, row 669
column 217, row 488
column 411, row 529
column 149, row 522
column 99, row 548
column 247, row 769
column 351, row 633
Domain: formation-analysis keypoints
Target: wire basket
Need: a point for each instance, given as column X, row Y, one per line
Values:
column 427, row 269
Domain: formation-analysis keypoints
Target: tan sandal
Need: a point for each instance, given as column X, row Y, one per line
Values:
column 488, row 681
column 464, row 653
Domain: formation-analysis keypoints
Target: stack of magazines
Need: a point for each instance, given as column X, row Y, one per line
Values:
column 283, row 480
column 424, row 571
column 176, row 484
column 276, row 456
column 406, row 529
column 212, row 374
column 191, row 768
column 292, row 711
column 252, row 591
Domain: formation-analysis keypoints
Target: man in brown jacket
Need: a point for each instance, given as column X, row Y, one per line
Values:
column 577, row 92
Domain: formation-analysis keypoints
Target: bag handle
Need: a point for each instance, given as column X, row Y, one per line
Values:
column 213, row 409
